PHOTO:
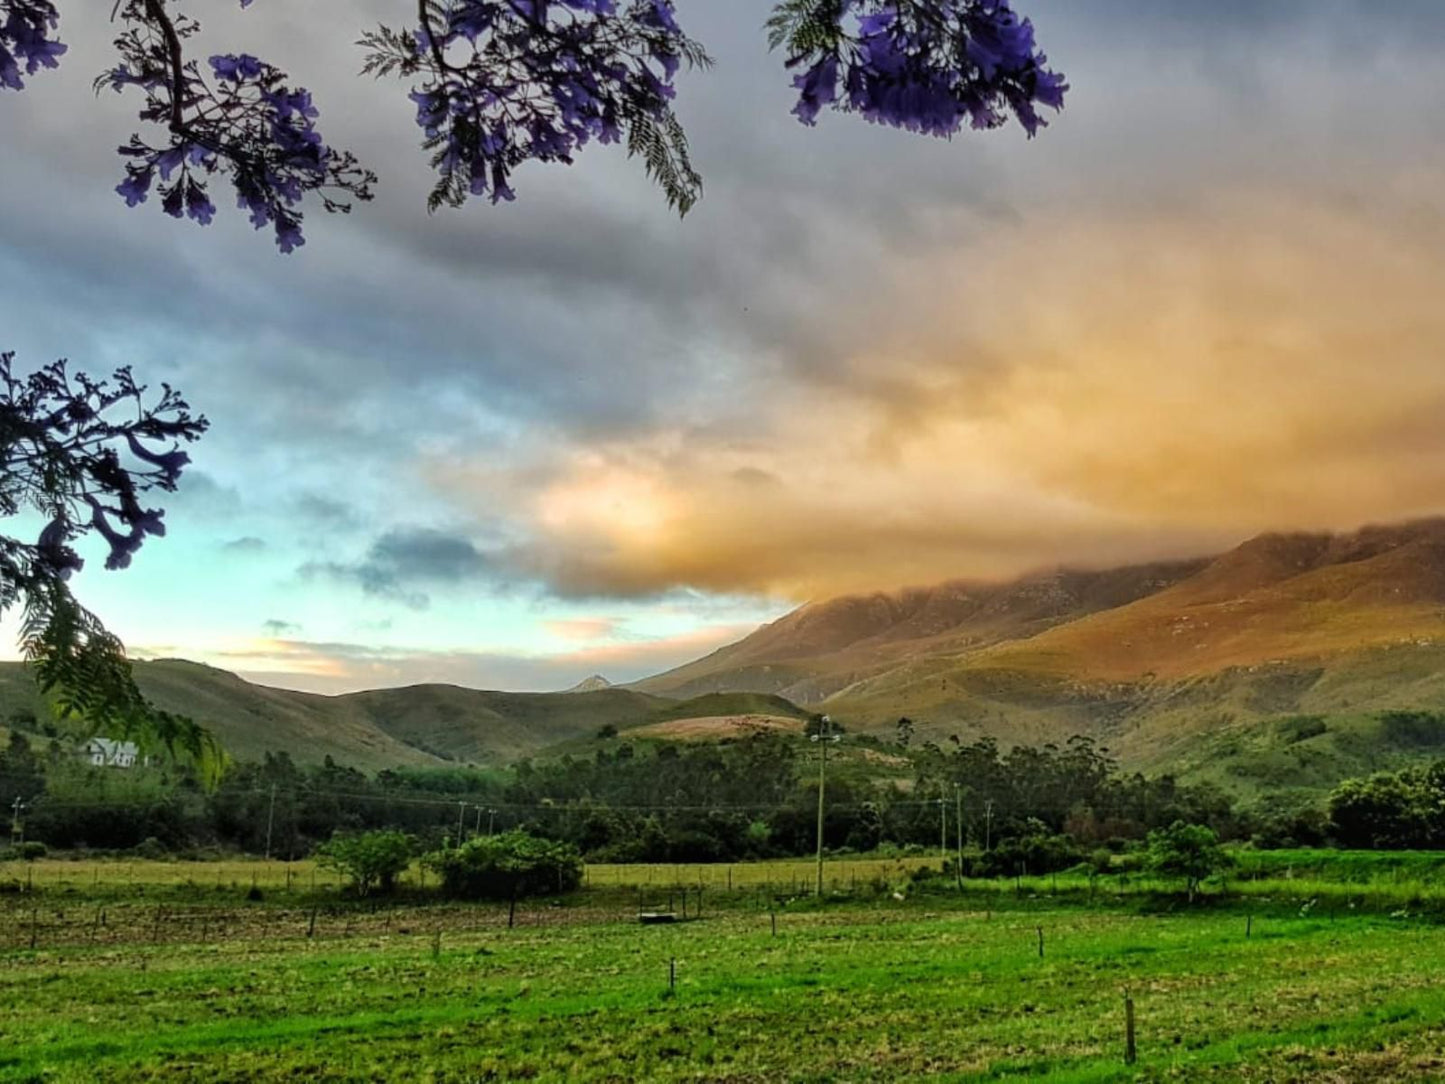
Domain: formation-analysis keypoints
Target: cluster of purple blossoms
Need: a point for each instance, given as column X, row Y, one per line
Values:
column 507, row 81
column 25, row 38
column 244, row 121
column 923, row 65
column 503, row 82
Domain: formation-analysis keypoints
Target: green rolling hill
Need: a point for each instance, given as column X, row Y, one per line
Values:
column 420, row 725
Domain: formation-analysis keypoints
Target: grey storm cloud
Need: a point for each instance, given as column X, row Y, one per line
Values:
column 582, row 303
column 586, row 309
column 401, row 564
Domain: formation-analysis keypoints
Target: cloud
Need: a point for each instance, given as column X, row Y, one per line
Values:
column 403, row 561
column 331, row 667
column 247, row 544
column 276, row 627
column 584, row 628
column 1194, row 308
column 1126, row 386
column 326, row 512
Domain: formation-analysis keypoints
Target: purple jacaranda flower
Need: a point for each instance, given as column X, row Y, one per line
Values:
column 122, row 546
column 9, row 70
column 931, row 70
column 288, row 233
column 52, row 549
column 818, row 86
column 431, row 110
column 26, row 38
column 135, row 187
column 170, row 463
column 661, row 14
column 500, row 189
column 198, row 207
column 469, row 20
column 169, row 159
column 530, row 95
column 237, row 67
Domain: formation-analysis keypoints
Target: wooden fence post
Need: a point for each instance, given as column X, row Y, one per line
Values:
column 1130, row 1053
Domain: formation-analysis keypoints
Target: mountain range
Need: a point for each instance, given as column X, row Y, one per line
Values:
column 1179, row 665
column 1204, row 667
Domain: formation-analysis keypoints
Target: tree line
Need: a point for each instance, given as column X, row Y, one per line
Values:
column 630, row 801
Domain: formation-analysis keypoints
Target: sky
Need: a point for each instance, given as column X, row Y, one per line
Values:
column 508, row 447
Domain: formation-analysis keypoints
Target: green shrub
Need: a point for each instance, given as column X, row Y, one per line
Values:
column 1190, row 852
column 1038, row 851
column 32, row 849
column 371, row 861
column 507, row 866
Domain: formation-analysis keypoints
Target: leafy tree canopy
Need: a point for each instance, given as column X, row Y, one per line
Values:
column 371, row 861
column 81, row 455
column 1190, row 852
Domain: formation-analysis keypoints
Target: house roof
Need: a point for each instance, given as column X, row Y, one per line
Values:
column 111, row 748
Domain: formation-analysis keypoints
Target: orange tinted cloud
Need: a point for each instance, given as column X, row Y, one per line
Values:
column 1081, row 390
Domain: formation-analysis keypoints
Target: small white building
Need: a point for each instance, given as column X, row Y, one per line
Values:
column 105, row 753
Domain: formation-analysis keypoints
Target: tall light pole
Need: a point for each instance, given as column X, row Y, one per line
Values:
column 824, row 739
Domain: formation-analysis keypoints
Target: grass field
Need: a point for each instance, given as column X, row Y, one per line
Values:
column 193, row 982
column 121, row 876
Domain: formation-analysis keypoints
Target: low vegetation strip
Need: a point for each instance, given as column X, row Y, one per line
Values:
column 866, row 990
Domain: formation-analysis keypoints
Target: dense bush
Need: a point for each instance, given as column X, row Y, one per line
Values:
column 1037, row 851
column 28, row 851
column 371, row 861
column 507, row 866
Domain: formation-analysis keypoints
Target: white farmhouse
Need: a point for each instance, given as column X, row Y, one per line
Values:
column 104, row 753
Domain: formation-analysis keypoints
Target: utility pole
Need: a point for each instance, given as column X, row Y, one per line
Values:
column 478, row 829
column 987, row 824
column 461, row 812
column 824, row 739
column 958, row 829
column 270, row 820
column 491, row 821
column 942, row 828
column 17, row 830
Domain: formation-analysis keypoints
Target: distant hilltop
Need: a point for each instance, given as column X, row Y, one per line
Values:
column 590, row 685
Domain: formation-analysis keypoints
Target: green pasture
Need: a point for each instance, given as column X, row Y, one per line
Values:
column 198, row 983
